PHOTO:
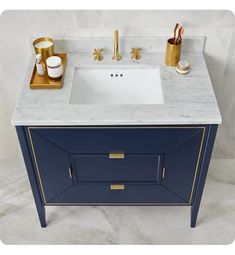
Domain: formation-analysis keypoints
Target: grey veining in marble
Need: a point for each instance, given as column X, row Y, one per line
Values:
column 188, row 99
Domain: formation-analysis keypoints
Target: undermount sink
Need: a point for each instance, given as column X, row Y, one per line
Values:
column 109, row 85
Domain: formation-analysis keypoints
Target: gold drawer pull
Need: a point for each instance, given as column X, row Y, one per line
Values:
column 117, row 186
column 116, row 155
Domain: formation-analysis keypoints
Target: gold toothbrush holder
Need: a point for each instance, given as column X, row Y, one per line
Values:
column 173, row 51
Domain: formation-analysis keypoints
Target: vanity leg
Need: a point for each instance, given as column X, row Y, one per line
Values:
column 31, row 174
column 42, row 215
column 209, row 143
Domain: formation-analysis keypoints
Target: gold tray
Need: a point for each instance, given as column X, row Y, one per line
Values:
column 44, row 82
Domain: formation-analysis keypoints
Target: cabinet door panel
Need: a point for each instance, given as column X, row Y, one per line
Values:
column 180, row 164
column 52, row 164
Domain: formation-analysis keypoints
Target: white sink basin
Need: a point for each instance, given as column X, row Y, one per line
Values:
column 116, row 85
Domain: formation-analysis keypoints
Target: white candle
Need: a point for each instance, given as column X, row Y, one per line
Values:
column 43, row 44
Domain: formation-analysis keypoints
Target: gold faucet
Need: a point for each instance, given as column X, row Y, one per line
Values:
column 135, row 53
column 116, row 55
column 98, row 54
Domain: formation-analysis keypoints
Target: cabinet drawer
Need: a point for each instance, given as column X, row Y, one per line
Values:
column 98, row 193
column 105, row 140
column 131, row 168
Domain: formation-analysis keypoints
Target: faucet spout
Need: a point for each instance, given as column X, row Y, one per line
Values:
column 116, row 54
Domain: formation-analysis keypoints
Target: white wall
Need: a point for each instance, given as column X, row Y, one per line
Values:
column 225, row 146
column 16, row 27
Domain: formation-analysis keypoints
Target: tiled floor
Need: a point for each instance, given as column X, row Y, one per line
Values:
column 117, row 225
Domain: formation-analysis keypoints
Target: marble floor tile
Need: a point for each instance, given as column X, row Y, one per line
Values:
column 117, row 225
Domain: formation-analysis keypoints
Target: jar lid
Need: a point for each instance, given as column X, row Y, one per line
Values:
column 182, row 71
column 183, row 65
column 53, row 61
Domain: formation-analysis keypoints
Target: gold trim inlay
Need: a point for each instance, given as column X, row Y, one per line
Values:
column 197, row 165
column 118, row 204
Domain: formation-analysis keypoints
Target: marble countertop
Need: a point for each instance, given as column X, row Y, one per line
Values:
column 188, row 99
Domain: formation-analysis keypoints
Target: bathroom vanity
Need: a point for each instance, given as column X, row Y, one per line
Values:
column 119, row 133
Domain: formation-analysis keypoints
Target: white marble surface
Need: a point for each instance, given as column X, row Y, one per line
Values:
column 117, row 224
column 188, row 99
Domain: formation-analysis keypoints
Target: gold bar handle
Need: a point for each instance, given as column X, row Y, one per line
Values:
column 70, row 173
column 163, row 172
column 117, row 186
column 116, row 155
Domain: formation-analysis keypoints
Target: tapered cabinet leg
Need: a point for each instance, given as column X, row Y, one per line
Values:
column 31, row 174
column 209, row 143
column 42, row 216
column 194, row 213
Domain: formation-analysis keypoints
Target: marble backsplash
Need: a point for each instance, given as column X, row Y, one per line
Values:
column 147, row 44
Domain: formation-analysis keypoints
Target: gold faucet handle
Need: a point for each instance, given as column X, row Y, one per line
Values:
column 98, row 54
column 135, row 53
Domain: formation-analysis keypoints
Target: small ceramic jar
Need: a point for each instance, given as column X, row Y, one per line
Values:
column 54, row 67
column 183, row 67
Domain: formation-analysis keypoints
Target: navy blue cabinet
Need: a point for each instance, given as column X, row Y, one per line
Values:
column 117, row 165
